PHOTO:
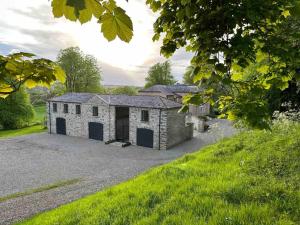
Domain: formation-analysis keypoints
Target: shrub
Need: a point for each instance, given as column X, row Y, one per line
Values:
column 16, row 110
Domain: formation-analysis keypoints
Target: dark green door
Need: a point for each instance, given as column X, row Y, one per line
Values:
column 61, row 126
column 96, row 131
column 144, row 137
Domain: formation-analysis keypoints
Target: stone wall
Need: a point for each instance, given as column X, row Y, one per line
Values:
column 77, row 125
column 136, row 122
column 202, row 110
column 177, row 129
column 168, row 126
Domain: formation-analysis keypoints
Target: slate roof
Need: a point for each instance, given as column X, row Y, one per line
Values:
column 142, row 101
column 172, row 89
column 73, row 97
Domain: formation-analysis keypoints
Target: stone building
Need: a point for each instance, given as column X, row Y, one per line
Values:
column 149, row 121
column 176, row 93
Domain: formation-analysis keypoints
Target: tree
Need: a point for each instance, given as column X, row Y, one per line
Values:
column 222, row 34
column 113, row 19
column 20, row 69
column 57, row 89
column 124, row 90
column 82, row 72
column 160, row 73
column 16, row 110
column 204, row 70
column 188, row 75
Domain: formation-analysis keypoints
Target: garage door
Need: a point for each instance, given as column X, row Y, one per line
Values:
column 60, row 126
column 96, row 131
column 144, row 137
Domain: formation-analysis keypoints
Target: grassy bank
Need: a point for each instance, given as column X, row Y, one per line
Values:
column 252, row 178
column 36, row 127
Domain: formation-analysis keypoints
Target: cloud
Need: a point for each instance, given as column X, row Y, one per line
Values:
column 33, row 28
column 116, row 76
column 48, row 43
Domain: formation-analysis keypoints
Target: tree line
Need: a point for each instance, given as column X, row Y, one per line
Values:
column 244, row 51
column 82, row 74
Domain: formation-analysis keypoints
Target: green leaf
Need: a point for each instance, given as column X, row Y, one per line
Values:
column 95, row 7
column 231, row 115
column 85, row 16
column 264, row 69
column 286, row 13
column 117, row 24
column 125, row 28
column 77, row 5
column 109, row 26
column 30, row 83
column 155, row 37
column 184, row 108
column 11, row 66
column 58, row 7
column 110, row 5
column 69, row 13
column 21, row 55
column 60, row 74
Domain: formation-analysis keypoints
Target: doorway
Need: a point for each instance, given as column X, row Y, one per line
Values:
column 61, row 126
column 122, row 124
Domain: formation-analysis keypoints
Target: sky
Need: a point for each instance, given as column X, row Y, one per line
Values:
column 28, row 25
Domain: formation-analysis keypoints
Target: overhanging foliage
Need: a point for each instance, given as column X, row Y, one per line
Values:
column 24, row 69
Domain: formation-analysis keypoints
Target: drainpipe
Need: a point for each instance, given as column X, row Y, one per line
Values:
column 159, row 129
column 109, row 136
column 49, row 116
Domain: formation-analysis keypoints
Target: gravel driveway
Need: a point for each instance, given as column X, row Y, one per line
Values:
column 32, row 161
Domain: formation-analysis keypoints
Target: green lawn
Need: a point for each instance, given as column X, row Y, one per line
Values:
column 40, row 113
column 252, row 178
column 35, row 128
column 27, row 130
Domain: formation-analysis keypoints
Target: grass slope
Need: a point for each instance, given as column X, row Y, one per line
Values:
column 38, row 126
column 252, row 178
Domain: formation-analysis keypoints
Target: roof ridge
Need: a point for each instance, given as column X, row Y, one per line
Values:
column 163, row 101
column 98, row 95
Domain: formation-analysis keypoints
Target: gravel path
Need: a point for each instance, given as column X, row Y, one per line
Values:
column 32, row 161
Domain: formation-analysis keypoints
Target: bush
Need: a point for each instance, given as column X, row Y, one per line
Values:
column 16, row 110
